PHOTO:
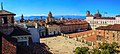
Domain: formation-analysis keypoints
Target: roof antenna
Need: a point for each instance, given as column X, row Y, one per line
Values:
column 1, row 6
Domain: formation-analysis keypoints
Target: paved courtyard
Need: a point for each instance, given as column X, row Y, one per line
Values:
column 62, row 45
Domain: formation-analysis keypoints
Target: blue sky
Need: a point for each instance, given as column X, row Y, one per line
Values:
column 62, row 7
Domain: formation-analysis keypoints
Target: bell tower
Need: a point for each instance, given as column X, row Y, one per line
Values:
column 88, row 13
column 49, row 14
column 1, row 6
column 22, row 18
column 7, row 20
column 40, row 18
column 50, row 18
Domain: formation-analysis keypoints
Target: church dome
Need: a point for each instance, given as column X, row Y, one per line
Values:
column 97, row 15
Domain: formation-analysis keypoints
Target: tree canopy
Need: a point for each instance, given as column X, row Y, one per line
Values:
column 104, row 48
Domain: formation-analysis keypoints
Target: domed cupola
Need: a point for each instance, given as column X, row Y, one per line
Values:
column 88, row 13
column 97, row 15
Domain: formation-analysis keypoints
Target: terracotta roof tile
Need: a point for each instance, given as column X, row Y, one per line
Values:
column 90, row 38
column 4, row 12
column 110, row 27
column 107, row 18
column 34, row 49
column 7, row 46
column 19, row 31
column 80, row 33
column 73, row 21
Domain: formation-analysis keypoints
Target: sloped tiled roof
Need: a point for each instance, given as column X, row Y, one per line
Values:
column 18, row 32
column 7, row 46
column 73, row 21
column 34, row 49
column 4, row 12
column 90, row 38
column 80, row 33
column 115, row 27
column 106, row 18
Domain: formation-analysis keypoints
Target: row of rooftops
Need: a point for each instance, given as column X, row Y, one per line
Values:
column 106, row 18
column 9, row 46
column 80, row 33
column 115, row 27
column 19, row 31
column 72, row 21
column 91, row 38
column 97, row 15
column 60, row 22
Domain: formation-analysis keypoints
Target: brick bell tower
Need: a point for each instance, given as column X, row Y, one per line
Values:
column 50, row 18
column 6, row 20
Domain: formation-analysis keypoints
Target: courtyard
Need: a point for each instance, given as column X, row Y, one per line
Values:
column 62, row 45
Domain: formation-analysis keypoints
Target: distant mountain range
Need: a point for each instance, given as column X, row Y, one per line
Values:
column 57, row 17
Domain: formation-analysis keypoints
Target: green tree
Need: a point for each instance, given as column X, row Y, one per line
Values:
column 105, row 51
column 96, row 51
column 77, row 50
column 82, row 50
column 104, row 48
column 112, row 47
column 108, row 48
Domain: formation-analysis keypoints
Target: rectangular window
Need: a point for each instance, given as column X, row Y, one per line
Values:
column 113, row 36
column 98, row 38
column 5, row 20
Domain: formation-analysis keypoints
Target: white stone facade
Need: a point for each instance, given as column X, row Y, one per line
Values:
column 94, row 23
column 53, row 29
